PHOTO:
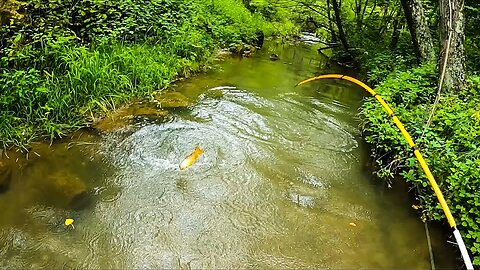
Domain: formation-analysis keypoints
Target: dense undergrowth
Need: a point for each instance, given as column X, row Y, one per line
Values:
column 61, row 62
column 451, row 145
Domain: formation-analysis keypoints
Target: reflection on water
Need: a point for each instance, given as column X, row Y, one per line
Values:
column 282, row 177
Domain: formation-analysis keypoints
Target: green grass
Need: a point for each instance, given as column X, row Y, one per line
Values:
column 89, row 81
column 79, row 60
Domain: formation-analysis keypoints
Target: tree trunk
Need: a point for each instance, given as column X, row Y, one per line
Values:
column 452, row 29
column 330, row 24
column 418, row 26
column 396, row 34
column 338, row 19
column 358, row 11
column 364, row 9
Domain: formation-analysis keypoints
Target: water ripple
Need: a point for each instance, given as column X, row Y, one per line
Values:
column 278, row 183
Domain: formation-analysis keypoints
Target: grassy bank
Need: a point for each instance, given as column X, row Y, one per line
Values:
column 63, row 61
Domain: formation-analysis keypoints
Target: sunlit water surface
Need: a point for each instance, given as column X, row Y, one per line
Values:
column 283, row 180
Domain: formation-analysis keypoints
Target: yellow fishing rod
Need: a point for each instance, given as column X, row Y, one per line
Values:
column 418, row 155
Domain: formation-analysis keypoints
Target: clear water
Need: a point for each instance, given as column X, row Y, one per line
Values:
column 284, row 173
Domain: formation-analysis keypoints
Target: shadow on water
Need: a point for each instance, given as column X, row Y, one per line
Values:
column 282, row 183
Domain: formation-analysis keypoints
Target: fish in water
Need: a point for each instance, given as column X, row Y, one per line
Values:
column 190, row 159
column 69, row 222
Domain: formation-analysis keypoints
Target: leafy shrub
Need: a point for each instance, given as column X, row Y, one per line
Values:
column 451, row 145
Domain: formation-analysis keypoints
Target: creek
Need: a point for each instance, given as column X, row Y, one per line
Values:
column 285, row 181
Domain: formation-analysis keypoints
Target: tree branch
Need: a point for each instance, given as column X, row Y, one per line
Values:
column 444, row 68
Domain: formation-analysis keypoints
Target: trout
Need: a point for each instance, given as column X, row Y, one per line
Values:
column 190, row 159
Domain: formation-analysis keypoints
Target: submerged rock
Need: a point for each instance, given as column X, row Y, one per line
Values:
column 64, row 188
column 244, row 50
column 213, row 93
column 124, row 116
column 274, row 57
column 172, row 100
column 248, row 51
column 235, row 48
column 5, row 176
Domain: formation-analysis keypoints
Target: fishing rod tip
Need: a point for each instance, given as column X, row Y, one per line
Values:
column 300, row 83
